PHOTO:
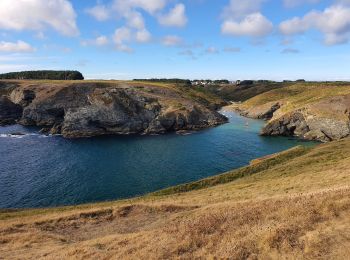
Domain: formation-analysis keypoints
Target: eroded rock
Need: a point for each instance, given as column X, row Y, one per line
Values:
column 324, row 121
column 9, row 111
column 84, row 110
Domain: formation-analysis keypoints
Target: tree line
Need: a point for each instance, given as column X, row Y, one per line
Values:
column 44, row 74
column 176, row 81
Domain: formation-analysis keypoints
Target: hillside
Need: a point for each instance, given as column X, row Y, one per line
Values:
column 232, row 92
column 92, row 108
column 313, row 111
column 293, row 205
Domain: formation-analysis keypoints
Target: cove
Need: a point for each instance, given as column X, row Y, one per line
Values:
column 41, row 171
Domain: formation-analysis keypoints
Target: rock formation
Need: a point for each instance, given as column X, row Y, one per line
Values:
column 9, row 111
column 325, row 120
column 92, row 109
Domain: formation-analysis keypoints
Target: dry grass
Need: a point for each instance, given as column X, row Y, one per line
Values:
column 294, row 209
column 171, row 94
column 298, row 95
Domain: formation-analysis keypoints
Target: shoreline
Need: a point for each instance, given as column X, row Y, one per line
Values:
column 170, row 187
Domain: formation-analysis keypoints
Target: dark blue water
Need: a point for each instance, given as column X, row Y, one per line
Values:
column 40, row 171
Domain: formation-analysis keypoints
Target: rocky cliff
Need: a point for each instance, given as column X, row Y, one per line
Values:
column 311, row 112
column 99, row 108
column 326, row 120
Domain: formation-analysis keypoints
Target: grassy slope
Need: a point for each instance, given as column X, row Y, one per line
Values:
column 196, row 94
column 294, row 205
column 243, row 93
column 298, row 95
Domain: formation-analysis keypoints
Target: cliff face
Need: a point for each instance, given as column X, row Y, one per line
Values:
column 325, row 121
column 91, row 109
column 310, row 112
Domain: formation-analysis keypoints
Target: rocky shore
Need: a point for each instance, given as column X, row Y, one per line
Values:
column 325, row 120
column 99, row 108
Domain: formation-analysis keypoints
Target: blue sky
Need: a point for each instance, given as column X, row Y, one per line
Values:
column 126, row 39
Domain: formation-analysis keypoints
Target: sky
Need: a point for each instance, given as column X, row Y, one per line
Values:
column 194, row 39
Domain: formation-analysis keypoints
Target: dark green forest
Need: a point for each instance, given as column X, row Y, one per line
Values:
column 44, row 74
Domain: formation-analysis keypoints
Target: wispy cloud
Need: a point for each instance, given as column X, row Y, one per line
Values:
column 290, row 51
column 134, row 27
column 19, row 46
column 172, row 40
column 212, row 50
column 232, row 49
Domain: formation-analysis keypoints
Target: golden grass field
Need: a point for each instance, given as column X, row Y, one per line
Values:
column 295, row 205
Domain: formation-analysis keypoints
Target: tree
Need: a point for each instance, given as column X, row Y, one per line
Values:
column 44, row 74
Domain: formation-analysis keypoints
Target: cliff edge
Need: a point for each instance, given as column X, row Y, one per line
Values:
column 86, row 109
column 311, row 111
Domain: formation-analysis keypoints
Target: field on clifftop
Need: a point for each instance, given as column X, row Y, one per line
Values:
column 294, row 205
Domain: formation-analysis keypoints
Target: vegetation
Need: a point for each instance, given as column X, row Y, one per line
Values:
column 209, row 81
column 294, row 205
column 291, row 205
column 298, row 95
column 44, row 74
column 243, row 91
column 175, row 81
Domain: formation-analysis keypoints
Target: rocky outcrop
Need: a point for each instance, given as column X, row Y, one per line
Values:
column 9, row 111
column 91, row 109
column 264, row 112
column 326, row 120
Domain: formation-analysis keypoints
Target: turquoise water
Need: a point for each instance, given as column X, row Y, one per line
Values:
column 40, row 171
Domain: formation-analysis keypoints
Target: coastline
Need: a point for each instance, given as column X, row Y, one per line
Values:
column 184, row 134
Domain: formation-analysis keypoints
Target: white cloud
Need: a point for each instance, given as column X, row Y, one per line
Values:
column 101, row 40
column 135, row 20
column 143, row 36
column 130, row 13
column 176, row 17
column 19, row 46
column 37, row 15
column 188, row 53
column 122, row 36
column 333, row 22
column 243, row 18
column 98, row 41
column 211, row 50
column 254, row 24
column 100, row 12
column 232, row 49
column 150, row 6
column 290, row 51
column 172, row 40
column 238, row 9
